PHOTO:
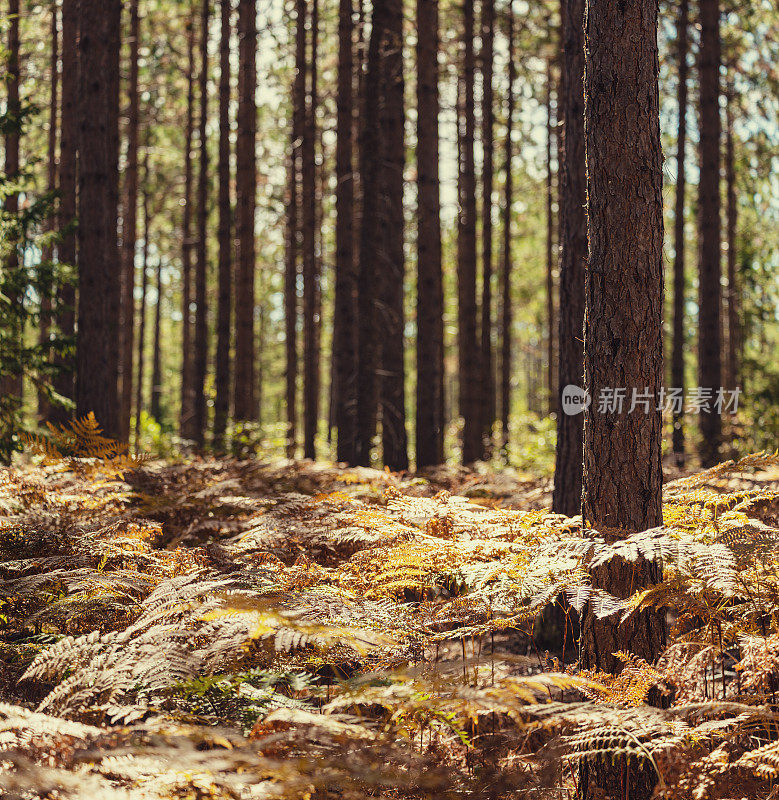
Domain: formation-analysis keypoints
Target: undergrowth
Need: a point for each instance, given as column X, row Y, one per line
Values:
column 238, row 629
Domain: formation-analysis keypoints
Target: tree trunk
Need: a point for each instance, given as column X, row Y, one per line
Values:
column 507, row 317
column 393, row 395
column 623, row 337
column 97, row 352
column 155, row 401
column 430, row 290
column 142, row 321
column 550, row 309
column 344, row 322
column 129, row 223
column 371, row 248
column 677, row 355
column 734, row 325
column 567, row 497
column 246, row 183
column 44, row 337
column 468, row 346
column 187, row 417
column 224, row 307
column 310, row 282
column 487, row 125
column 201, row 271
column 709, row 298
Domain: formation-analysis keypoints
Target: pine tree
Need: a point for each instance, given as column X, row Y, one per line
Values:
column 734, row 322
column 155, row 400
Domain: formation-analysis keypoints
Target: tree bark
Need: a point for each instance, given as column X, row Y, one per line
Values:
column 506, row 315
column 129, row 223
column 430, row 290
column 142, row 320
column 487, row 124
column 97, row 351
column 225, row 277
column 345, row 318
column 246, row 184
column 734, row 323
column 677, row 355
column 468, row 346
column 187, row 417
column 710, row 293
column 155, row 401
column 371, row 248
column 393, row 395
column 567, row 495
column 201, row 272
column 623, row 337
column 550, row 287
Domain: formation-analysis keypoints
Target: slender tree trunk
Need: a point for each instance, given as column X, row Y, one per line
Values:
column 393, row 395
column 44, row 337
column 709, row 302
column 550, row 287
column 129, row 223
column 371, row 248
column 468, row 346
column 224, row 307
column 201, row 272
column 142, row 320
column 310, row 281
column 155, row 401
column 97, row 353
column 567, row 495
column 487, row 125
column 507, row 317
column 245, row 408
column 624, row 292
column 345, row 318
column 187, row 417
column 734, row 324
column 430, row 290
column 677, row 355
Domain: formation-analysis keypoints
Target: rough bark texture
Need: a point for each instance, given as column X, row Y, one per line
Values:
column 129, row 223
column 97, row 351
column 677, row 354
column 246, row 185
column 468, row 346
column 551, row 124
column 710, row 293
column 488, row 394
column 430, row 291
column 567, row 496
column 187, row 416
column 623, row 335
column 506, row 315
column 224, row 235
column 734, row 323
column 393, row 399
column 369, row 275
column 310, row 282
column 345, row 319
column 155, row 399
column 66, row 249
column 142, row 320
column 200, row 367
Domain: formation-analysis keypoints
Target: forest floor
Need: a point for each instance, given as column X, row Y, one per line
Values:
column 249, row 629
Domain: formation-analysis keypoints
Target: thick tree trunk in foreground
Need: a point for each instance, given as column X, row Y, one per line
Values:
column 567, row 496
column 187, row 417
column 129, row 223
column 710, row 293
column 506, row 315
column 344, row 323
column 246, row 184
column 430, row 291
column 624, row 294
column 97, row 352
column 677, row 355
column 468, row 346
column 487, row 125
column 66, row 250
column 224, row 235
column 371, row 248
column 201, row 271
column 734, row 324
column 393, row 399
